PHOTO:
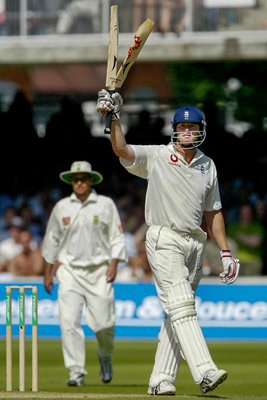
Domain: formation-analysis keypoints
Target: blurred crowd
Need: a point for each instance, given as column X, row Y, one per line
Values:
column 30, row 186
column 83, row 16
column 23, row 220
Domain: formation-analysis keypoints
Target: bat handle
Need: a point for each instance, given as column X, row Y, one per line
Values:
column 108, row 118
column 108, row 121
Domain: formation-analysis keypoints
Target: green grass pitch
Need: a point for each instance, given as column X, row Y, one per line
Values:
column 246, row 364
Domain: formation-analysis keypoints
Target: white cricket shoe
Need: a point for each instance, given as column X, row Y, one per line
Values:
column 76, row 379
column 212, row 379
column 164, row 388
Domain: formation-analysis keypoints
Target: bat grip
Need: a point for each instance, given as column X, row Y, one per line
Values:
column 108, row 121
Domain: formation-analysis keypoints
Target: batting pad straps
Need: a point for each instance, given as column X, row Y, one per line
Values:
column 181, row 307
column 181, row 302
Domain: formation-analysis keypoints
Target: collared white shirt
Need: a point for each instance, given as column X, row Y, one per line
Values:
column 84, row 234
column 178, row 193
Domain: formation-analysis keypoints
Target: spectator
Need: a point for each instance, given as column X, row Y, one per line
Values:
column 80, row 10
column 138, row 268
column 162, row 12
column 248, row 234
column 41, row 204
column 142, row 270
column 125, row 269
column 42, row 16
column 6, row 200
column 28, row 262
column 261, row 215
column 31, row 223
column 11, row 246
column 5, row 220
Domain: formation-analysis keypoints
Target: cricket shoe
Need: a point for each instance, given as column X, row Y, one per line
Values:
column 164, row 388
column 212, row 379
column 76, row 379
column 105, row 368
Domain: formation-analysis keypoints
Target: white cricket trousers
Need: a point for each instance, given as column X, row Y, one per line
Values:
column 173, row 257
column 176, row 260
column 79, row 287
column 168, row 355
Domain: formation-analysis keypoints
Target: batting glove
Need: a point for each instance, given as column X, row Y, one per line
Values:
column 104, row 102
column 117, row 102
column 230, row 267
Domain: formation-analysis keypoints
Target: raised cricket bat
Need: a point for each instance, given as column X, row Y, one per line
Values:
column 112, row 58
column 139, row 40
column 112, row 48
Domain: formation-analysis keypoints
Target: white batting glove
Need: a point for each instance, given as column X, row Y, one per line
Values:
column 230, row 267
column 104, row 102
column 117, row 102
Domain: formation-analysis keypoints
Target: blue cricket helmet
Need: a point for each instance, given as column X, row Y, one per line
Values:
column 189, row 114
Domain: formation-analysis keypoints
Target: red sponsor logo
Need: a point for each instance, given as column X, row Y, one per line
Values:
column 137, row 44
column 174, row 158
column 66, row 221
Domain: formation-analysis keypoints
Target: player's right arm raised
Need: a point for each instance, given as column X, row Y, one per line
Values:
column 119, row 144
column 106, row 103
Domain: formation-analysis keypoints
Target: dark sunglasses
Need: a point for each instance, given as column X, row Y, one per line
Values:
column 82, row 178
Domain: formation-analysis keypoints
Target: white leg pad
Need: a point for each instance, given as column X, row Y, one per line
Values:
column 167, row 358
column 181, row 307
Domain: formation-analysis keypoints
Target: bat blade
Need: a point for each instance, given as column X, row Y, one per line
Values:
column 112, row 58
column 112, row 48
column 140, row 38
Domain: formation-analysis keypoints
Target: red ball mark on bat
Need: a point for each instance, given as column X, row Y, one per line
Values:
column 136, row 46
column 114, row 80
column 174, row 158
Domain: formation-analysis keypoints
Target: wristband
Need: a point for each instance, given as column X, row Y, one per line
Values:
column 225, row 253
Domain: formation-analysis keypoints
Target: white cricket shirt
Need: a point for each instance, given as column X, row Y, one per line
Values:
column 177, row 192
column 84, row 234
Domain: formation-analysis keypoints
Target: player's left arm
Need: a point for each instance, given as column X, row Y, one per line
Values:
column 216, row 225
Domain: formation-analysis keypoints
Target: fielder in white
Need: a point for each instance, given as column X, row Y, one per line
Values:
column 84, row 238
column 182, row 191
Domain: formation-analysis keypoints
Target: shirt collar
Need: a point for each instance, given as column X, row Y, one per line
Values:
column 196, row 157
column 92, row 198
